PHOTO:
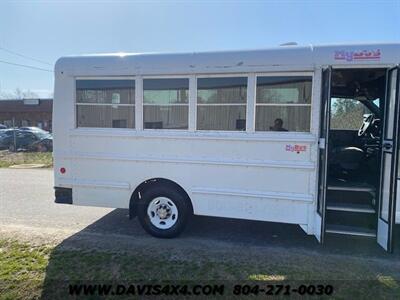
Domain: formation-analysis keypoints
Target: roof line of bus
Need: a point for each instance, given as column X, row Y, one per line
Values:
column 291, row 54
column 311, row 47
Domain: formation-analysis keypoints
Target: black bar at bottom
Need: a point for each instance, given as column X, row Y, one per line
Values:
column 63, row 195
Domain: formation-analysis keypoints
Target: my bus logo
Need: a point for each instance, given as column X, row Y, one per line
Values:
column 358, row 55
column 296, row 148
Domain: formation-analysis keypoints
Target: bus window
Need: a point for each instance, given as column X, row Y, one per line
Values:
column 105, row 103
column 283, row 103
column 166, row 103
column 221, row 103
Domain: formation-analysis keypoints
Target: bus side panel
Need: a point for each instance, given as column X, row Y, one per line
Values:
column 259, row 180
column 252, row 208
column 102, row 196
column 63, row 123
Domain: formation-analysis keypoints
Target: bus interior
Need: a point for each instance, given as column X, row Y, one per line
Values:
column 357, row 101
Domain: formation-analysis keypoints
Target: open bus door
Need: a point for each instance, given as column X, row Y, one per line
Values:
column 323, row 148
column 387, row 203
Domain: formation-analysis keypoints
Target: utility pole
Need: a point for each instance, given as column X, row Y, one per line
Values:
column 15, row 135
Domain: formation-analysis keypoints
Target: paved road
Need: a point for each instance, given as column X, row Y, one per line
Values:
column 26, row 205
column 27, row 198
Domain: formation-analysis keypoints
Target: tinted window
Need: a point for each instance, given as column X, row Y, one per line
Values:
column 222, row 90
column 284, row 89
column 105, row 91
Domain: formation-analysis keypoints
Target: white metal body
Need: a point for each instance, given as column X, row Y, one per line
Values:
column 245, row 175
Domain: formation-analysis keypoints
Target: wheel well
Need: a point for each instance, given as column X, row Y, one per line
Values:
column 147, row 184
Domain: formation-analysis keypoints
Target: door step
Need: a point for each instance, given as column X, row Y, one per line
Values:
column 352, row 188
column 341, row 185
column 351, row 207
column 346, row 197
column 350, row 230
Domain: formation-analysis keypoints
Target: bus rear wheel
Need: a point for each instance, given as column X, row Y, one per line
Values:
column 163, row 211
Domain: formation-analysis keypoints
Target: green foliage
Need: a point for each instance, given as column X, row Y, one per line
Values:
column 22, row 270
column 347, row 114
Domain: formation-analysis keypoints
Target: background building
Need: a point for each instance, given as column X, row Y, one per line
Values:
column 27, row 112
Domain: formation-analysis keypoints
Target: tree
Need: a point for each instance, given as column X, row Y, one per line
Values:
column 347, row 113
column 19, row 94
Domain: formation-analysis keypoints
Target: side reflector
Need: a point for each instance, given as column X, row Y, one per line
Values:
column 62, row 170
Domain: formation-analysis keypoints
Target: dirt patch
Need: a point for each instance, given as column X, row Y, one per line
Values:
column 28, row 166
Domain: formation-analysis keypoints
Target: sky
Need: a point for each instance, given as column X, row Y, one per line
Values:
column 47, row 30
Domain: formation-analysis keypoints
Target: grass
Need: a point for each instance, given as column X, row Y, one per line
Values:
column 22, row 269
column 8, row 159
column 32, row 272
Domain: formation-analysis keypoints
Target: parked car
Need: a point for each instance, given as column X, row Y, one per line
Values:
column 32, row 129
column 3, row 126
column 43, row 145
column 26, row 140
column 6, row 136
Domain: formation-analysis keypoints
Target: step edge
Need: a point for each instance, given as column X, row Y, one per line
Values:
column 350, row 232
column 351, row 189
column 350, row 209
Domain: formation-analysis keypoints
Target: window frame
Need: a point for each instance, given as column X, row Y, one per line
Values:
column 247, row 75
column 134, row 105
column 142, row 104
column 286, row 74
column 250, row 103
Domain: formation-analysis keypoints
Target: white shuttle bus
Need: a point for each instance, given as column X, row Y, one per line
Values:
column 300, row 135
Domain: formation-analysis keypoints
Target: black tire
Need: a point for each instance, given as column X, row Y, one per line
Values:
column 179, row 199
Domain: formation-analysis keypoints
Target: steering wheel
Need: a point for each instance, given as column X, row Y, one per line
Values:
column 365, row 125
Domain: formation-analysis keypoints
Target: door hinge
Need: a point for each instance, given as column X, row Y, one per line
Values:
column 388, row 145
column 321, row 143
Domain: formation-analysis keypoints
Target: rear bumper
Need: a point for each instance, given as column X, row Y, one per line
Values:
column 63, row 195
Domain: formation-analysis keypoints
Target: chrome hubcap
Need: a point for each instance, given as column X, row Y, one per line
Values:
column 162, row 212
